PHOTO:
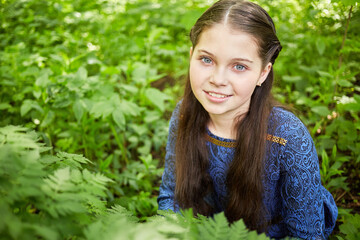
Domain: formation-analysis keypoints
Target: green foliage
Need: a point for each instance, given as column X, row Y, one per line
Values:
column 168, row 226
column 100, row 78
column 55, row 197
column 43, row 195
column 350, row 229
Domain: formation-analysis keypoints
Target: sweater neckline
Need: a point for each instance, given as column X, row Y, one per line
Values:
column 223, row 142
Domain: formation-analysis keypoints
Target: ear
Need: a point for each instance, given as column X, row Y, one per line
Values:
column 264, row 73
column 191, row 52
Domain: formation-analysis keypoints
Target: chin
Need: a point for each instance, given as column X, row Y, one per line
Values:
column 214, row 110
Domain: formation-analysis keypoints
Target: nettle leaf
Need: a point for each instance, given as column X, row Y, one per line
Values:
column 28, row 105
column 115, row 100
column 81, row 74
column 140, row 72
column 321, row 110
column 79, row 109
column 129, row 108
column 129, row 88
column 157, row 98
column 320, row 45
column 48, row 119
column 119, row 118
column 152, row 116
column 102, row 109
column 43, row 80
column 344, row 83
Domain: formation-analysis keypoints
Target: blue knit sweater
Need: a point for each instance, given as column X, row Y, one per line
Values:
column 292, row 184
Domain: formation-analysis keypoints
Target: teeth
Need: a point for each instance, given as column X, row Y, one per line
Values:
column 217, row 95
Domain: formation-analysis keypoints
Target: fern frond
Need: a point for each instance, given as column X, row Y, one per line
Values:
column 73, row 160
column 238, row 230
column 214, row 228
column 119, row 210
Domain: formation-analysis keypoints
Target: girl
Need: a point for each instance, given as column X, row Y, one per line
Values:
column 230, row 147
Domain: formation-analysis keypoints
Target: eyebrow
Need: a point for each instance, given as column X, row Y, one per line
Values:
column 234, row 59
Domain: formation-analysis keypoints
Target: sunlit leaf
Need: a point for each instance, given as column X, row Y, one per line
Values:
column 119, row 118
column 321, row 110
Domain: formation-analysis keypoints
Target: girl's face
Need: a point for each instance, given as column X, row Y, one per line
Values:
column 224, row 70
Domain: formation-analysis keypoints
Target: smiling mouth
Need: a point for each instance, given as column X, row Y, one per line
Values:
column 217, row 95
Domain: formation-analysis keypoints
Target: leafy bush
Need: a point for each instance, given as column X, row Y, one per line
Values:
column 55, row 197
column 100, row 78
column 43, row 195
column 350, row 228
column 168, row 226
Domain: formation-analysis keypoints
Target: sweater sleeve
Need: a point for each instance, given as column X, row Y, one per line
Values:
column 309, row 210
column 167, row 187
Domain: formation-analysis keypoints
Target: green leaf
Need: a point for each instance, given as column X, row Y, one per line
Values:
column 215, row 228
column 4, row 106
column 81, row 74
column 156, row 33
column 102, row 109
column 129, row 108
column 78, row 108
column 25, row 107
column 324, row 163
column 156, row 97
column 337, row 183
column 238, row 230
column 344, row 83
column 292, row 78
column 325, row 74
column 48, row 119
column 351, row 227
column 119, row 118
column 321, row 110
column 28, row 105
column 72, row 160
column 43, row 80
column 320, row 45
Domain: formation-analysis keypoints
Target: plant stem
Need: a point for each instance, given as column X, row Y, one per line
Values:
column 342, row 46
column 119, row 143
column 345, row 34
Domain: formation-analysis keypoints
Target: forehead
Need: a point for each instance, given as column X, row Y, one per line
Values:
column 222, row 40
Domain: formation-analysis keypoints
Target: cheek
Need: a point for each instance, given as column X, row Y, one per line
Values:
column 195, row 75
column 244, row 85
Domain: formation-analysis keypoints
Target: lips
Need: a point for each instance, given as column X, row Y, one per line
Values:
column 217, row 95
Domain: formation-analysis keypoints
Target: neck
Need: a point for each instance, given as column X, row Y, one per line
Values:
column 223, row 127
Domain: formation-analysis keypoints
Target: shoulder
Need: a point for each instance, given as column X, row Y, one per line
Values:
column 284, row 124
column 173, row 128
column 296, row 149
column 174, row 120
column 299, row 153
column 280, row 115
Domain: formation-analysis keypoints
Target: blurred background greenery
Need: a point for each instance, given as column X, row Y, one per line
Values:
column 101, row 77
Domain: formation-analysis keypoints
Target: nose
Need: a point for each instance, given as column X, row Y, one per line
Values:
column 218, row 77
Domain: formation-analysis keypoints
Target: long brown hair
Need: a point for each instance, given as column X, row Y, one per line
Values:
column 245, row 175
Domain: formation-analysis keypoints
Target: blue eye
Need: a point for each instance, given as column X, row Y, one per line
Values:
column 239, row 67
column 206, row 60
